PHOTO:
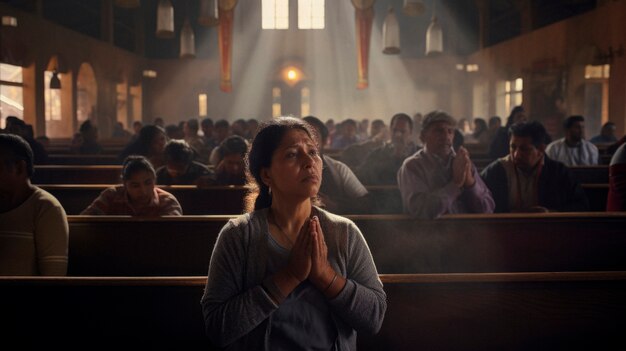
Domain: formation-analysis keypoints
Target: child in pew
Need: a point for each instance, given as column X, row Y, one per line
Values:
column 290, row 275
column 137, row 196
column 33, row 224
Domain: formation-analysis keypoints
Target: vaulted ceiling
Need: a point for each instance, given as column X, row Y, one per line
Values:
column 133, row 29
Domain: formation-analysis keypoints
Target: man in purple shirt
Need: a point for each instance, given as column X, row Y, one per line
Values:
column 436, row 180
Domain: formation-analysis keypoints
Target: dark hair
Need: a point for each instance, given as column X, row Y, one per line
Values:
column 379, row 122
column 481, row 127
column 178, row 151
column 207, row 122
column 403, row 116
column 319, row 126
column 18, row 150
column 222, row 123
column 86, row 127
column 349, row 121
column 514, row 111
column 193, row 124
column 171, row 130
column 569, row 121
column 233, row 145
column 534, row 130
column 267, row 140
column 136, row 163
column 137, row 123
column 495, row 119
column 141, row 146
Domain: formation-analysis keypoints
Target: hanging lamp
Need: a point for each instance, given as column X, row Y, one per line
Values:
column 209, row 14
column 413, row 8
column 55, row 81
column 391, row 34
column 187, row 41
column 128, row 4
column 165, row 19
column 434, row 36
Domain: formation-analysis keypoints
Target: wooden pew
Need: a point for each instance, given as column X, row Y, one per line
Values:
column 591, row 174
column 53, row 174
column 508, row 311
column 83, row 160
column 125, row 246
column 213, row 200
column 230, row 199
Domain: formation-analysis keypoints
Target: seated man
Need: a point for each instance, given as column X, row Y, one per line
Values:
column 33, row 225
column 526, row 180
column 382, row 164
column 181, row 169
column 436, row 180
column 341, row 191
column 231, row 155
column 573, row 149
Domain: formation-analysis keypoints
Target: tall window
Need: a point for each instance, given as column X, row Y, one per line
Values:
column 305, row 98
column 275, row 14
column 311, row 14
column 510, row 95
column 52, row 99
column 276, row 110
column 202, row 105
column 11, row 92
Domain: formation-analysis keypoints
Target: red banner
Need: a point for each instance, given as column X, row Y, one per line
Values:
column 226, row 47
column 364, row 20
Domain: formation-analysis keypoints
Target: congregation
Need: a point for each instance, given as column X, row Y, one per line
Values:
column 433, row 174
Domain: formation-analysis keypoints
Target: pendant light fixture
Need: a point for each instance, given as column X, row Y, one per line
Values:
column 55, row 82
column 434, row 36
column 127, row 4
column 165, row 19
column 391, row 34
column 187, row 41
column 413, row 8
column 209, row 14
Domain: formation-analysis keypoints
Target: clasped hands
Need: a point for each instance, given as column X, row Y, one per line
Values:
column 462, row 175
column 309, row 257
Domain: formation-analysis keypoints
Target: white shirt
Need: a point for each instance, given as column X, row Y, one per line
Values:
column 584, row 154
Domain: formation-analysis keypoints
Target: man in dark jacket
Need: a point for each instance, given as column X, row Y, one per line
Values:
column 526, row 180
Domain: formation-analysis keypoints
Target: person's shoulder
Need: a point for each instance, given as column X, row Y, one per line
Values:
column 589, row 144
column 44, row 199
column 416, row 158
column 333, row 219
column 619, row 157
column 163, row 194
column 556, row 143
column 495, row 165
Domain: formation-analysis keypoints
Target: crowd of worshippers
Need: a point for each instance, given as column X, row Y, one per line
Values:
column 434, row 174
column 423, row 155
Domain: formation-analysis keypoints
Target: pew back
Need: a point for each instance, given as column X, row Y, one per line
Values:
column 512, row 311
column 124, row 246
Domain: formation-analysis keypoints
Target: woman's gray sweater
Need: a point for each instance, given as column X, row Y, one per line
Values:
column 238, row 311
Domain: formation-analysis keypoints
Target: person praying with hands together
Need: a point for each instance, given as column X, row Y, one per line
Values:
column 289, row 275
column 436, row 180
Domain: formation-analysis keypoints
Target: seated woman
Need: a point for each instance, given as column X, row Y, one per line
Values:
column 181, row 169
column 150, row 143
column 137, row 196
column 290, row 275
